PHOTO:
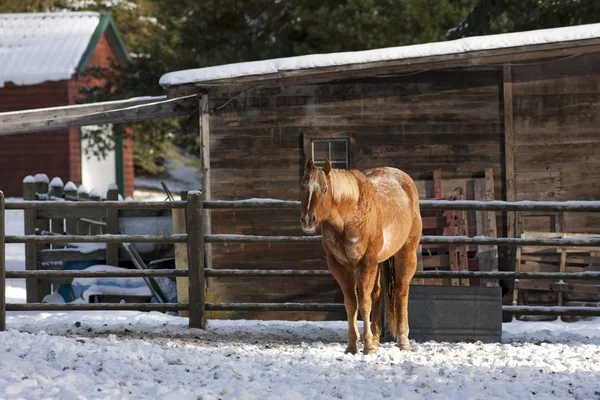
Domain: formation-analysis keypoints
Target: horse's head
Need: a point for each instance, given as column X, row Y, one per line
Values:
column 315, row 196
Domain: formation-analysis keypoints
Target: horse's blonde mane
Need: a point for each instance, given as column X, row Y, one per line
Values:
column 343, row 185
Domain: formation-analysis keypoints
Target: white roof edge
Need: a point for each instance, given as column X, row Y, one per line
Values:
column 465, row 45
column 72, row 14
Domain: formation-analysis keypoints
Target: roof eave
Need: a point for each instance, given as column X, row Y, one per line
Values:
column 108, row 26
column 455, row 60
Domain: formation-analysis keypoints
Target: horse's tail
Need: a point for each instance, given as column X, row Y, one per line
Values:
column 389, row 277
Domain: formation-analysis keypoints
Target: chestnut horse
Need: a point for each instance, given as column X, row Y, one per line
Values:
column 366, row 219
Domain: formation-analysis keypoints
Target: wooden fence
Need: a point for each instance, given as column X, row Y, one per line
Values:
column 195, row 238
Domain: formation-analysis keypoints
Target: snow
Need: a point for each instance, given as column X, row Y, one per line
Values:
column 82, row 189
column 70, row 187
column 136, row 355
column 41, row 178
column 29, row 179
column 56, row 182
column 39, row 47
column 465, row 45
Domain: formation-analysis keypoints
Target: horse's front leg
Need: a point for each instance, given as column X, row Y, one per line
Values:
column 345, row 278
column 365, row 283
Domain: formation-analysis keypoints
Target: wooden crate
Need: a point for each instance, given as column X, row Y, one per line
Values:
column 452, row 223
column 549, row 292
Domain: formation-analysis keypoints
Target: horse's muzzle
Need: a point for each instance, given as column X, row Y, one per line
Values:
column 309, row 222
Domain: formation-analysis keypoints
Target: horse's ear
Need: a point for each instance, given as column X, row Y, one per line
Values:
column 310, row 165
column 327, row 167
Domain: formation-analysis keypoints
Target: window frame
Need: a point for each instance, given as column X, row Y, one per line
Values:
column 311, row 137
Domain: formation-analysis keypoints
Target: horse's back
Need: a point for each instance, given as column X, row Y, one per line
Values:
column 394, row 185
column 399, row 212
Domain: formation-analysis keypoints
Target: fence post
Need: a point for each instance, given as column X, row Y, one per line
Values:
column 30, row 221
column 2, row 266
column 70, row 223
column 43, row 285
column 57, row 225
column 112, row 226
column 195, row 251
column 95, row 229
column 83, row 228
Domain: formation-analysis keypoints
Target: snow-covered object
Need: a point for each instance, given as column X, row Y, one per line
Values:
column 109, row 286
column 39, row 47
column 94, row 193
column 70, row 187
column 81, row 189
column 29, row 179
column 465, row 45
column 113, row 186
column 53, row 298
column 41, row 178
column 56, row 182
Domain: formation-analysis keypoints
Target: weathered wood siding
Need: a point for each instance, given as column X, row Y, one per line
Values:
column 557, row 132
column 438, row 119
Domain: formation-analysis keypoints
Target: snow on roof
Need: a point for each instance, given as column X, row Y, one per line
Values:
column 465, row 45
column 39, row 47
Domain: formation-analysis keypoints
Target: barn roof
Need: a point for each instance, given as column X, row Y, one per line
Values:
column 39, row 47
column 467, row 51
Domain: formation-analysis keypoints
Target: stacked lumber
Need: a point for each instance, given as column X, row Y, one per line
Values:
column 548, row 292
column 454, row 223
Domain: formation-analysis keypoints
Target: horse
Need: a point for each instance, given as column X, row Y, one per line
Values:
column 366, row 218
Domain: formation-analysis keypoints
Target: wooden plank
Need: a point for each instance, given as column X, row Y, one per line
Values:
column 195, row 249
column 2, row 266
column 112, row 226
column 509, row 158
column 43, row 287
column 563, row 264
column 57, row 225
column 70, row 220
column 31, row 260
column 74, row 116
column 181, row 261
column 57, row 255
column 204, row 127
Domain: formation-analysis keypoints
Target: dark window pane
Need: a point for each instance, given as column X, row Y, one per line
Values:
column 339, row 150
column 320, row 151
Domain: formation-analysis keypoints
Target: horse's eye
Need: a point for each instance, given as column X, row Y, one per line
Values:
column 324, row 189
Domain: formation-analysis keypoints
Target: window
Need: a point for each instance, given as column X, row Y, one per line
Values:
column 335, row 150
column 337, row 147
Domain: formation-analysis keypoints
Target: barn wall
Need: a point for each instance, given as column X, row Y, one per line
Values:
column 444, row 119
column 556, row 123
column 32, row 153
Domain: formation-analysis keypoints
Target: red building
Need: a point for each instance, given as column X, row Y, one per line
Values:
column 43, row 57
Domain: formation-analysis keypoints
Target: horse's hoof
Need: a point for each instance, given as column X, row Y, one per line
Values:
column 352, row 351
column 370, row 350
column 404, row 347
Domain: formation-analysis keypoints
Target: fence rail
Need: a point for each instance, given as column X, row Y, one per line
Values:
column 195, row 239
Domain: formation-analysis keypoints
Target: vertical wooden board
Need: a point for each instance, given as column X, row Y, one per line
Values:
column 83, row 228
column 43, row 286
column 112, row 226
column 31, row 260
column 509, row 156
column 204, row 126
column 181, row 259
column 57, row 224
column 70, row 223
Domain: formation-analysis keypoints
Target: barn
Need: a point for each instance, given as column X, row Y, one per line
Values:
column 43, row 60
column 525, row 105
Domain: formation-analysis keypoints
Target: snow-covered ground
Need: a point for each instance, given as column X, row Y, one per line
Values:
column 134, row 355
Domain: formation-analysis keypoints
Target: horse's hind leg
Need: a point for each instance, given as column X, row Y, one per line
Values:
column 346, row 281
column 405, row 266
column 375, row 310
